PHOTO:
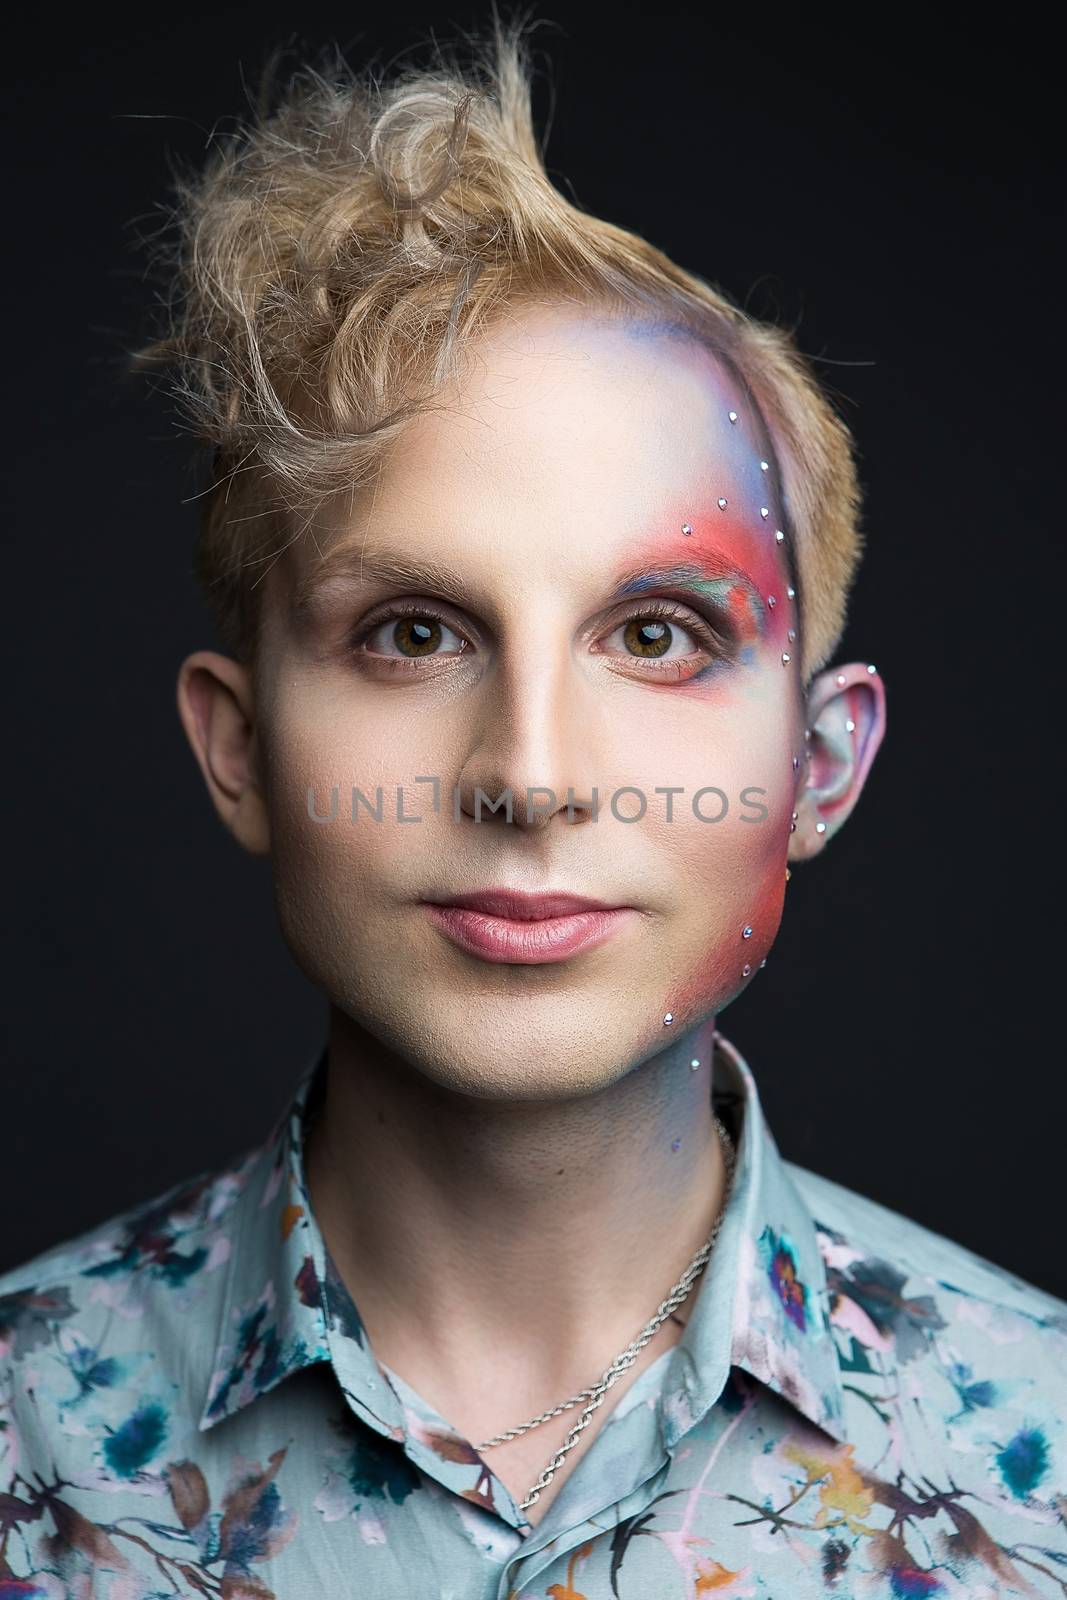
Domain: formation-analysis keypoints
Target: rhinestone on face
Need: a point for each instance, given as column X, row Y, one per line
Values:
column 745, row 970
column 687, row 528
column 850, row 726
column 764, row 512
column 791, row 592
column 746, row 932
column 820, row 827
column 722, row 503
column 732, row 415
column 785, row 658
column 779, row 535
column 668, row 1019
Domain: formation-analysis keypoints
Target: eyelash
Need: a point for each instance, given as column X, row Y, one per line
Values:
column 717, row 643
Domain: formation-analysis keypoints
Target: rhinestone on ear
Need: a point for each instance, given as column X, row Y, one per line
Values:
column 764, row 512
column 771, row 601
column 820, row 827
column 745, row 970
column 695, row 1063
column 668, row 1019
column 763, row 963
column 791, row 592
column 687, row 528
column 785, row 658
column 850, row 726
column 841, row 677
column 872, row 669
column 676, row 1144
column 796, row 763
column 722, row 502
column 791, row 635
column 732, row 415
column 746, row 932
column 779, row 535
column 765, row 466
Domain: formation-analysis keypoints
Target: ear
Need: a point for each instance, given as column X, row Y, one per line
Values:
column 845, row 725
column 216, row 704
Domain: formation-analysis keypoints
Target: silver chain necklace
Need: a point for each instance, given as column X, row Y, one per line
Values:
column 596, row 1393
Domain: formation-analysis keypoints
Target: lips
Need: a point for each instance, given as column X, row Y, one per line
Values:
column 518, row 905
column 510, row 925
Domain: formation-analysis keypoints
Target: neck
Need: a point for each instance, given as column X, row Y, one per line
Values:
column 549, row 1230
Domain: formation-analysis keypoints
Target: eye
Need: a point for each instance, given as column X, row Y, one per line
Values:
column 412, row 635
column 667, row 641
column 655, row 639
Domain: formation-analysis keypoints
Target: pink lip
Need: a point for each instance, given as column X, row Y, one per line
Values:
column 510, row 925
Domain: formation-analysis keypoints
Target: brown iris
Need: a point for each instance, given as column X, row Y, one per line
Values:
column 417, row 636
column 649, row 638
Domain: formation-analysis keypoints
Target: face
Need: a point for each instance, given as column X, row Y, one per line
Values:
column 565, row 586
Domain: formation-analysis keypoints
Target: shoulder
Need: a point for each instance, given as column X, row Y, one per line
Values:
column 126, row 1283
column 853, row 1228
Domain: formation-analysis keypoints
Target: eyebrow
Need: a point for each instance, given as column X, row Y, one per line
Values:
column 376, row 565
column 368, row 566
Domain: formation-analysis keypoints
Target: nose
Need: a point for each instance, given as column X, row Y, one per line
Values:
column 535, row 744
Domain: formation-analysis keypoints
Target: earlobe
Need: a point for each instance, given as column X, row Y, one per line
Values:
column 216, row 704
column 846, row 724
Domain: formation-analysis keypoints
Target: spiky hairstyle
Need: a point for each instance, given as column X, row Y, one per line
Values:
column 328, row 264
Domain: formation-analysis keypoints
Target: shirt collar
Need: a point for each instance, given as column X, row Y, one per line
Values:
column 285, row 1308
column 775, row 1324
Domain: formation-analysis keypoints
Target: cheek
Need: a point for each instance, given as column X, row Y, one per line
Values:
column 731, row 873
column 315, row 756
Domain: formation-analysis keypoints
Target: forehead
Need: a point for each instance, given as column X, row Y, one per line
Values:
column 562, row 394
column 568, row 437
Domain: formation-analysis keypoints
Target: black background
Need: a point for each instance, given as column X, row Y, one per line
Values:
column 895, row 192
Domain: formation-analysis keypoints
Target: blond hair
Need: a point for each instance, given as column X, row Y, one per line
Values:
column 335, row 255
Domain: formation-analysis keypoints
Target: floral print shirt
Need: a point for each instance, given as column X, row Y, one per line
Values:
column 857, row 1408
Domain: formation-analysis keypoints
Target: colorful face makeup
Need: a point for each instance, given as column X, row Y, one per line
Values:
column 596, row 501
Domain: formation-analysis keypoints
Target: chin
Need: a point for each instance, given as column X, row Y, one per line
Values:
column 512, row 1046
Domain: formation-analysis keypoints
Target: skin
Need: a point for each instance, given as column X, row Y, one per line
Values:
column 519, row 1159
